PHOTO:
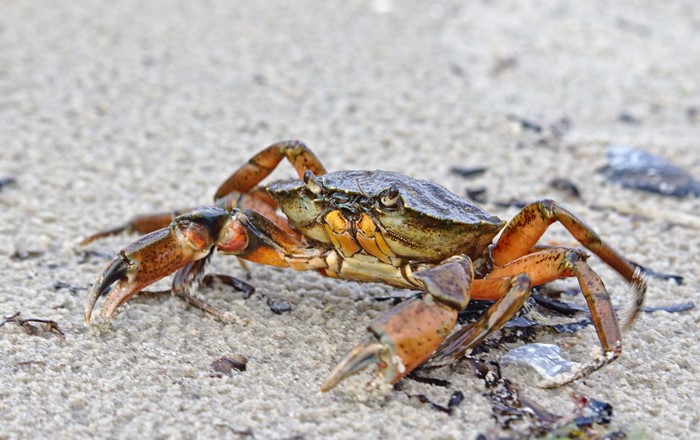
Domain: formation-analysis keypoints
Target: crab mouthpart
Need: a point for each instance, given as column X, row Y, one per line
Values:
column 368, row 351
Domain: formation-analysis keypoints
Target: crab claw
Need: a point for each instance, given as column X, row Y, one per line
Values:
column 189, row 237
column 368, row 351
column 116, row 270
column 401, row 340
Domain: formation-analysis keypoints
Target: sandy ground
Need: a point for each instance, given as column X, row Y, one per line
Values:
column 111, row 111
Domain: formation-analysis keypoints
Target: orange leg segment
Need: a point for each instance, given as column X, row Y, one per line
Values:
column 262, row 164
column 513, row 292
column 140, row 224
column 528, row 226
column 539, row 268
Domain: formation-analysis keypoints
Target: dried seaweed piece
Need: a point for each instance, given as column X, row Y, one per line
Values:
column 477, row 194
column 590, row 415
column 248, row 432
column 601, row 412
column 515, row 330
column 279, row 306
column 424, row 399
column 58, row 285
column 23, row 254
column 455, row 399
column 551, row 291
column 511, row 408
column 637, row 169
column 560, row 307
column 571, row 309
column 501, row 64
column 395, row 300
column 226, row 364
column 547, row 135
column 468, row 172
column 26, row 324
column 526, row 124
column 27, row 364
column 7, row 181
column 85, row 255
column 508, row 404
column 569, row 327
column 560, row 127
column 673, row 308
column 513, row 203
column 660, row 275
column 628, row 118
column 475, row 310
column 228, row 280
column 429, row 380
column 565, row 185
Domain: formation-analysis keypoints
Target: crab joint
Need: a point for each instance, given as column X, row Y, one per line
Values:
column 233, row 237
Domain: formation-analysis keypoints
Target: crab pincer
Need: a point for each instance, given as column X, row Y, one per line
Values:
column 399, row 342
column 408, row 334
column 189, row 238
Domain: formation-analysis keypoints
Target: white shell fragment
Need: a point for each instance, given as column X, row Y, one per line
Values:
column 544, row 359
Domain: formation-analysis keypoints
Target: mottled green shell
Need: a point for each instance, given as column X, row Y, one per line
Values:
column 431, row 222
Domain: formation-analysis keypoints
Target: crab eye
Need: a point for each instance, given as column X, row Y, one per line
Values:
column 312, row 182
column 389, row 196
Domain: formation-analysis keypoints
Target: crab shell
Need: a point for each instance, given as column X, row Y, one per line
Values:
column 428, row 222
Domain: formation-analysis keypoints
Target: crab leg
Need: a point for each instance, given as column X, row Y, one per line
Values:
column 548, row 265
column 528, row 226
column 257, row 199
column 542, row 267
column 262, row 164
column 408, row 334
column 512, row 292
column 141, row 224
column 188, row 278
column 238, row 191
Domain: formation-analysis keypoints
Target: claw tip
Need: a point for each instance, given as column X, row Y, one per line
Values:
column 366, row 352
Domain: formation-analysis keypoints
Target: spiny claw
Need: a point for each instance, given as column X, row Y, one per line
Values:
column 365, row 353
column 189, row 238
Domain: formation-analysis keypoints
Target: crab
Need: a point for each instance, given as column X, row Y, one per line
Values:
column 376, row 226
